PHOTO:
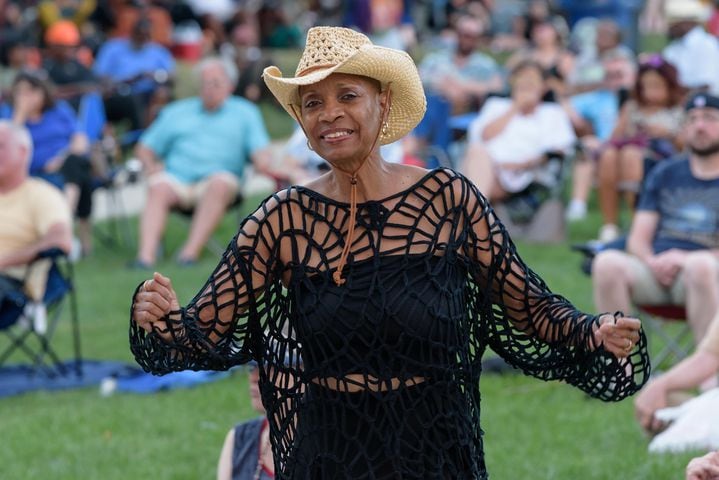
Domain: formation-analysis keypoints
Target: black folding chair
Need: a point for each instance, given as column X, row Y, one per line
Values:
column 536, row 214
column 29, row 337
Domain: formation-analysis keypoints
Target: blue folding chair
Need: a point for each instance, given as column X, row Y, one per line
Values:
column 25, row 337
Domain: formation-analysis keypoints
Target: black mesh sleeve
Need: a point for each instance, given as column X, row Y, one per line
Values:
column 214, row 331
column 535, row 330
column 379, row 377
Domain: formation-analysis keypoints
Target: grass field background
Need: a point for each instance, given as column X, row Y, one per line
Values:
column 532, row 429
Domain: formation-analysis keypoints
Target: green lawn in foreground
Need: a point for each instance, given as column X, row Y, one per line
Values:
column 533, row 429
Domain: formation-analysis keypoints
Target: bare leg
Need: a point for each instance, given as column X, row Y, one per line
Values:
column 160, row 198
column 84, row 233
column 701, row 280
column 608, row 172
column 224, row 464
column 477, row 166
column 584, row 170
column 612, row 282
column 208, row 214
column 72, row 194
column 631, row 170
column 582, row 175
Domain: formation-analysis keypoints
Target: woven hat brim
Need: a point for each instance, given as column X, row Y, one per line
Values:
column 691, row 10
column 389, row 66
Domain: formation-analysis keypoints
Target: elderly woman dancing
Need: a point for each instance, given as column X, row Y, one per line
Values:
column 369, row 296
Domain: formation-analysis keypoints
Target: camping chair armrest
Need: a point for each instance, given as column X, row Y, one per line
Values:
column 53, row 252
column 554, row 155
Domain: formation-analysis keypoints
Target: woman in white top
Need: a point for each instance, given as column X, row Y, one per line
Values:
column 510, row 140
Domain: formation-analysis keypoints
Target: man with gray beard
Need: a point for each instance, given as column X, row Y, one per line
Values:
column 672, row 252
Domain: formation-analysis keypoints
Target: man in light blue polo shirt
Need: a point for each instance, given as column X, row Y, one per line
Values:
column 139, row 70
column 194, row 155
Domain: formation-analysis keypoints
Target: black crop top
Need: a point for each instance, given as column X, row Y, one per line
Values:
column 379, row 378
column 395, row 318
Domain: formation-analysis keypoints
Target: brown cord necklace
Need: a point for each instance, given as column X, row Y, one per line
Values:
column 337, row 275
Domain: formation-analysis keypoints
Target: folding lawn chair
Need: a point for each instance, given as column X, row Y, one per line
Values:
column 668, row 332
column 536, row 214
column 31, row 334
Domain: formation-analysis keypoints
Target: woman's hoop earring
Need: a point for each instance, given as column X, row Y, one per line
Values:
column 310, row 146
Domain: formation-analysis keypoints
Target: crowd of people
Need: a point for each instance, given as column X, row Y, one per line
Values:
column 510, row 87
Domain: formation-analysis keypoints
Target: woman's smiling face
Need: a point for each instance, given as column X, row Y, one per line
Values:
column 342, row 117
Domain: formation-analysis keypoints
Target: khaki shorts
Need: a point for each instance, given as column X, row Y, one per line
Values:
column 34, row 277
column 646, row 290
column 189, row 194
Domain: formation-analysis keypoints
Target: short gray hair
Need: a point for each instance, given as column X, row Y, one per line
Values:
column 227, row 65
column 19, row 134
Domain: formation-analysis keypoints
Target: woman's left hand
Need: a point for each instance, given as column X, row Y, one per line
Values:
column 618, row 335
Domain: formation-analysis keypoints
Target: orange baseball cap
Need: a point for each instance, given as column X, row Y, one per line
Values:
column 63, row 32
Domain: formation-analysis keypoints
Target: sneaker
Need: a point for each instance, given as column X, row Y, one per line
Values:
column 609, row 232
column 75, row 250
column 577, row 210
column 35, row 315
column 186, row 262
column 139, row 265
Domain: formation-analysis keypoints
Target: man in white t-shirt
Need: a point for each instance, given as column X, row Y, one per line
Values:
column 34, row 214
column 510, row 141
column 691, row 49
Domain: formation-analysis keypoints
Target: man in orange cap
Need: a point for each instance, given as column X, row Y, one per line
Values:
column 63, row 32
column 71, row 76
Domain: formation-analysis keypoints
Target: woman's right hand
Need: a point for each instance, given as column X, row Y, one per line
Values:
column 154, row 301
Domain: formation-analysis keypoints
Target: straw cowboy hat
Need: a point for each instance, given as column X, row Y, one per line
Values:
column 342, row 50
column 687, row 10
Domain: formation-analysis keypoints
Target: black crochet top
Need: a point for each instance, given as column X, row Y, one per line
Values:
column 379, row 377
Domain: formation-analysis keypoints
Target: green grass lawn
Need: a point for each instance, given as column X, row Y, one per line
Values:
column 532, row 429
